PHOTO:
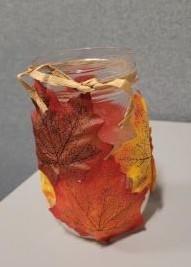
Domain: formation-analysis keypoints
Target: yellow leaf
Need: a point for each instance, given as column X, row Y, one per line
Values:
column 135, row 155
column 47, row 189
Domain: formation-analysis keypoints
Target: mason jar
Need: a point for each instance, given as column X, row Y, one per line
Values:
column 92, row 138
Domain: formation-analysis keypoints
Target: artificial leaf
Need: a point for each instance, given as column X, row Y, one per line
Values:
column 102, row 205
column 47, row 189
column 135, row 155
column 83, row 78
column 66, row 136
column 112, row 114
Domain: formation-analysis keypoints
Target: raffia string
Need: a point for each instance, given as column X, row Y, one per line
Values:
column 50, row 74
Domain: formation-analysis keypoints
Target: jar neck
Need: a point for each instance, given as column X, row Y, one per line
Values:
column 73, row 67
column 101, row 68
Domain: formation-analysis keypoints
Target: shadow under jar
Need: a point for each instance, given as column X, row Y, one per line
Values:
column 93, row 140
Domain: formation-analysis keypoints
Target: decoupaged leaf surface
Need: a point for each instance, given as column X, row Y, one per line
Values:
column 102, row 206
column 135, row 155
column 87, row 188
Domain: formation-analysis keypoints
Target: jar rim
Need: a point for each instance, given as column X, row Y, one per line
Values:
column 122, row 57
column 114, row 49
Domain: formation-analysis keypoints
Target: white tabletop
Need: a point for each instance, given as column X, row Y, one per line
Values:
column 31, row 237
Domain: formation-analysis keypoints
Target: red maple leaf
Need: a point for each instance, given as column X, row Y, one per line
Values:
column 102, row 205
column 112, row 114
column 66, row 135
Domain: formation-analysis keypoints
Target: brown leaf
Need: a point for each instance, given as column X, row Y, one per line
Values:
column 66, row 136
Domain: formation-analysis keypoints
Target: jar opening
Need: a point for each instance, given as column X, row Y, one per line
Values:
column 104, row 63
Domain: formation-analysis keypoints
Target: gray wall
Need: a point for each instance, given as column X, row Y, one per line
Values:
column 158, row 30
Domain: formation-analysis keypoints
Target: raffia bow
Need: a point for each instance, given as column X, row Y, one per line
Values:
column 52, row 75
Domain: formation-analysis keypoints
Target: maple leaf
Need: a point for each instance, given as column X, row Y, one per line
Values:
column 66, row 136
column 101, row 206
column 112, row 114
column 135, row 155
column 47, row 189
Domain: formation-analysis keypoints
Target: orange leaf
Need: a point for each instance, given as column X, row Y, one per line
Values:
column 101, row 205
column 112, row 114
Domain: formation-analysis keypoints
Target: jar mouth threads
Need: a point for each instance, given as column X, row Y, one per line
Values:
column 87, row 52
column 105, row 62
column 102, row 68
column 104, row 72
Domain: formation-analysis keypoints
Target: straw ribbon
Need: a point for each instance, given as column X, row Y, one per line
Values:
column 51, row 75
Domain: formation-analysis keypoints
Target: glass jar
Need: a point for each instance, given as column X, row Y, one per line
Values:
column 92, row 138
